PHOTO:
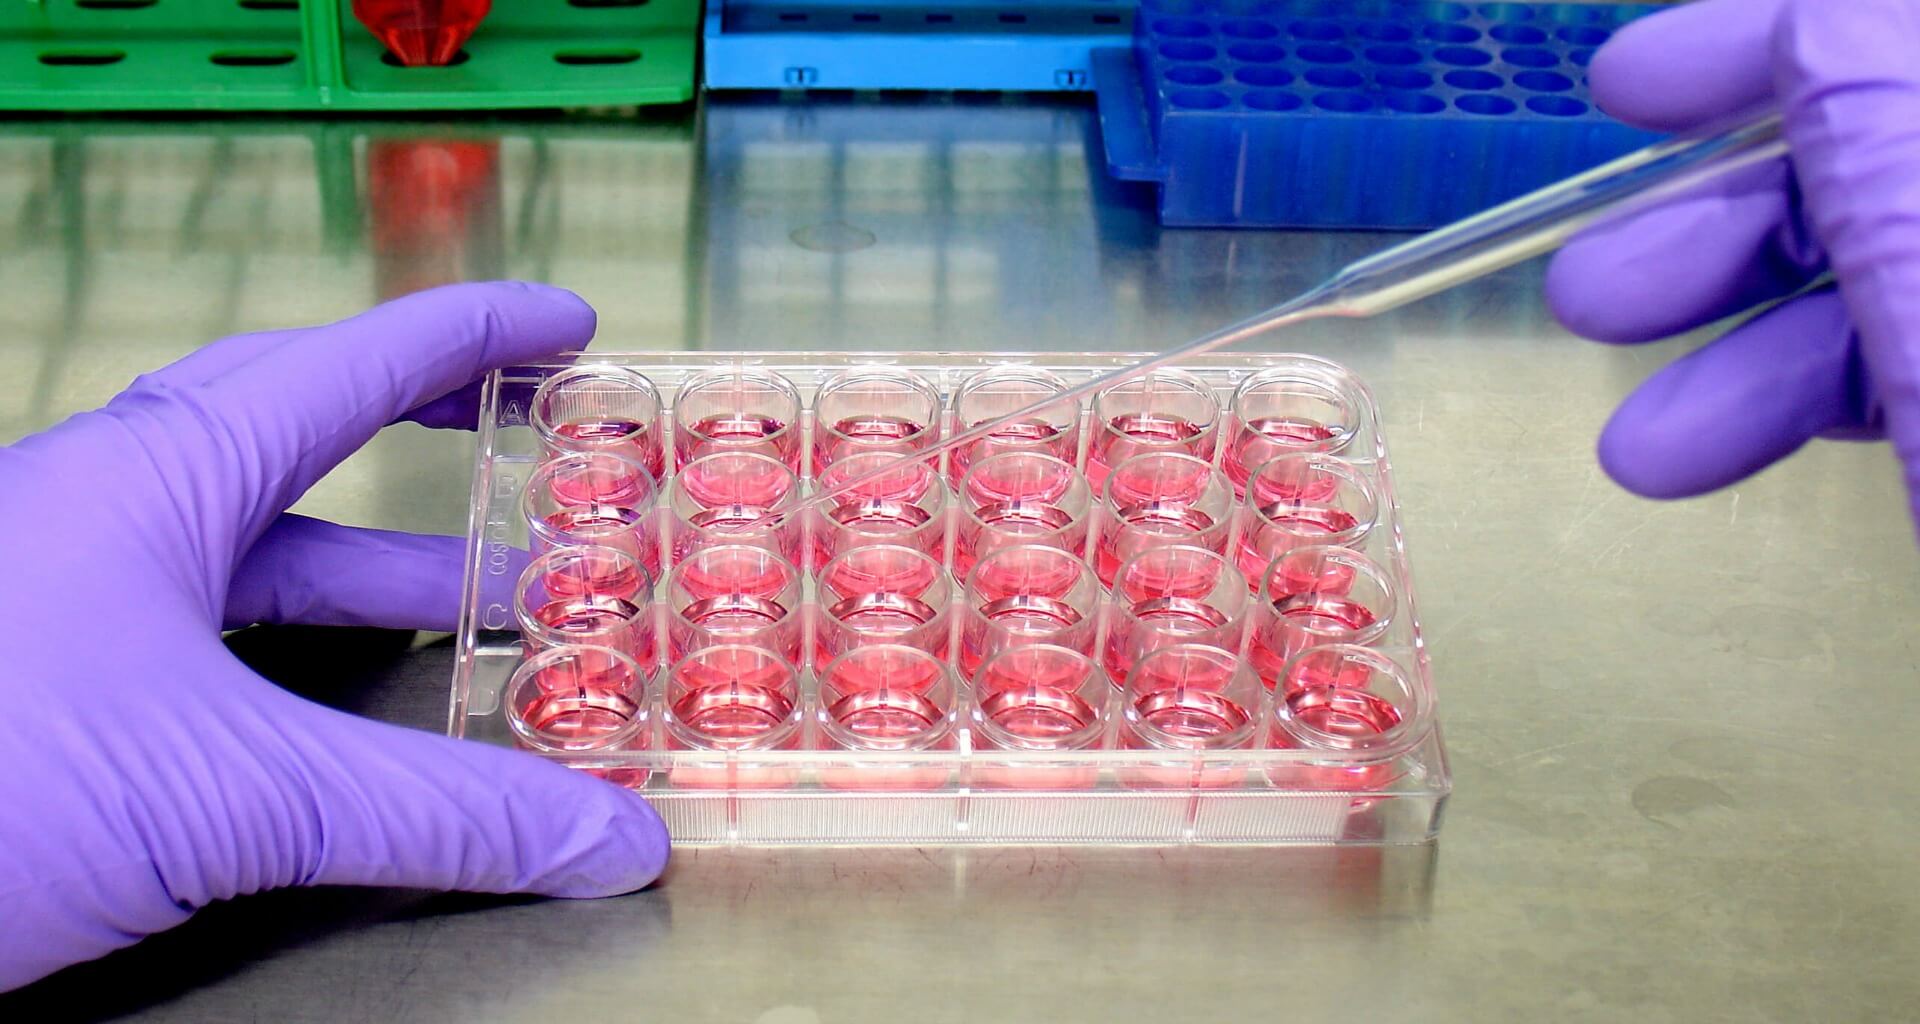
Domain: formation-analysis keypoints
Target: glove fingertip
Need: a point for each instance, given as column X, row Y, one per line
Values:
column 611, row 842
column 1630, row 462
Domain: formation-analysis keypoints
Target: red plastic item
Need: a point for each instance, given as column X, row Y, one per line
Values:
column 422, row 32
column 428, row 206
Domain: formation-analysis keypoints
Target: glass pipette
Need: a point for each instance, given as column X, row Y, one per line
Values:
column 1512, row 232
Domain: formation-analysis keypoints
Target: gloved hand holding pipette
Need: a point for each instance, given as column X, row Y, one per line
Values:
column 144, row 772
column 1839, row 361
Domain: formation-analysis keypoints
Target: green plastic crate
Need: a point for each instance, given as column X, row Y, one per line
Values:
column 312, row 55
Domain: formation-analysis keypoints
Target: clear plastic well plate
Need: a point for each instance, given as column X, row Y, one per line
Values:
column 1308, row 764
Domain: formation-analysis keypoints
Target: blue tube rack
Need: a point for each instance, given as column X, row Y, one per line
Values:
column 1372, row 114
column 955, row 45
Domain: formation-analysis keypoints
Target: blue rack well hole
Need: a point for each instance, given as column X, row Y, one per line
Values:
column 1400, row 55
column 1520, row 35
column 1486, row 103
column 1178, row 50
column 1315, row 31
column 1199, row 99
column 1194, row 74
column 1267, row 77
column 1335, row 78
column 1248, row 28
column 1583, row 35
column 1181, row 28
column 1384, row 31
column 1462, row 56
column 1580, row 58
column 1402, row 78
column 1529, row 57
column 1478, row 81
column 1272, row 99
column 1415, row 103
column 1450, row 33
column 1256, row 53
column 1323, row 53
column 1343, row 102
column 1556, row 106
column 1543, row 81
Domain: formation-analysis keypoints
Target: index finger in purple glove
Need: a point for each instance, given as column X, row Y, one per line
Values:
column 1714, row 252
column 1688, row 66
column 294, row 410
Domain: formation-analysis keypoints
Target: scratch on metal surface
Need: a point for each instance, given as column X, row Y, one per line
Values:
column 1503, row 762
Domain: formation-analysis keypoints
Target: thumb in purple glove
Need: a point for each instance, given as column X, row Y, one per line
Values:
column 145, row 772
column 1840, row 361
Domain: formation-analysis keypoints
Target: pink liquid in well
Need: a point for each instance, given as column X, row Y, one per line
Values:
column 614, row 526
column 1028, row 617
column 877, row 618
column 1162, row 622
column 599, row 482
column 596, row 574
column 858, row 576
column 1038, row 717
column 705, row 578
column 1129, row 435
column 1264, row 438
column 727, row 525
column 733, row 715
column 735, row 618
column 1041, row 717
column 875, row 433
column 886, row 719
column 744, row 482
column 1034, row 435
column 874, row 521
column 631, row 438
column 1306, row 619
column 601, row 619
column 762, row 435
column 1351, row 715
column 1005, row 524
column 1023, row 481
column 579, row 717
column 1018, row 573
column 1302, row 576
column 1282, row 527
column 1144, row 527
column 1192, row 716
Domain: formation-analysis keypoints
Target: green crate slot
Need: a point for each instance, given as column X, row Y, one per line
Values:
column 79, row 55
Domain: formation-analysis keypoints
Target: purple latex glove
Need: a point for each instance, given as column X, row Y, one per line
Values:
column 144, row 772
column 1836, row 362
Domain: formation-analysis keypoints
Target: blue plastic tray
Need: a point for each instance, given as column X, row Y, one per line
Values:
column 1382, row 114
column 1026, row 45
